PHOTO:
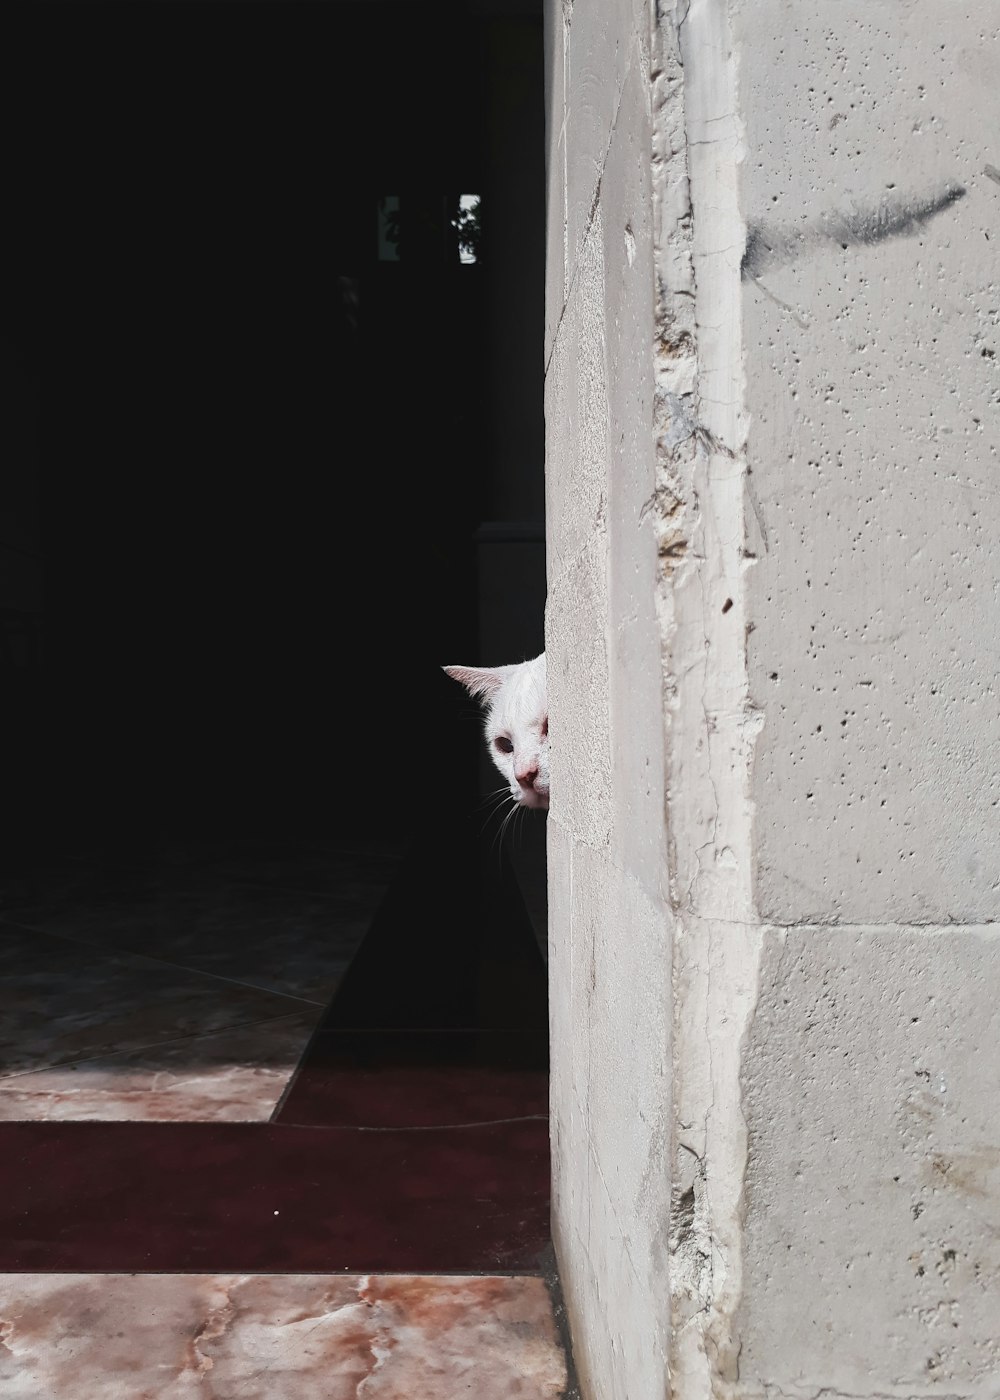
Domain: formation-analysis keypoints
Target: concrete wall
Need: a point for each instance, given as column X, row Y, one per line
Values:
column 771, row 413
column 871, row 330
column 610, row 929
column 609, row 934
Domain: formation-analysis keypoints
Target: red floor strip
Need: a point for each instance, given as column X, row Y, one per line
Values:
column 235, row 1197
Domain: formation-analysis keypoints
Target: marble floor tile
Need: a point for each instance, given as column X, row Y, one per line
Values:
column 297, row 944
column 122, row 989
column 62, row 1001
column 233, row 1076
column 277, row 1337
column 303, row 955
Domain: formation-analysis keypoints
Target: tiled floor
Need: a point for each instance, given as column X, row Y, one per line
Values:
column 233, row 1075
column 181, row 991
column 231, row 1337
column 274, row 1123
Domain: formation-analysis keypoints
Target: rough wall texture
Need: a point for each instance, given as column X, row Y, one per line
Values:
column 872, row 345
column 773, row 332
column 873, row 370
column 872, row 1245
column 610, row 928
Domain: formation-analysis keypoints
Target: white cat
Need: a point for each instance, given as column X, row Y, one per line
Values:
column 517, row 723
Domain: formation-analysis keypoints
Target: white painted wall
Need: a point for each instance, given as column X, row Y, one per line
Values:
column 772, row 388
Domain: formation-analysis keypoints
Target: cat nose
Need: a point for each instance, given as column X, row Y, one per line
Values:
column 527, row 777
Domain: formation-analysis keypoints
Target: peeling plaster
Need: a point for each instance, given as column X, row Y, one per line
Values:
column 701, row 429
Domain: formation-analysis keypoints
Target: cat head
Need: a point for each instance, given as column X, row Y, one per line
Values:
column 517, row 723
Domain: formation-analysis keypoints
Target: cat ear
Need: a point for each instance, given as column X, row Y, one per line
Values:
column 480, row 681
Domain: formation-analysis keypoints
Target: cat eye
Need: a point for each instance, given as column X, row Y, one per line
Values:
column 545, row 727
column 504, row 744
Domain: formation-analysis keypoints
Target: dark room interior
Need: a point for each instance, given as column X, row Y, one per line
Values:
column 273, row 444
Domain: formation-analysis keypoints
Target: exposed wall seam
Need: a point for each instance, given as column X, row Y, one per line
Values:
column 711, row 728
column 986, row 928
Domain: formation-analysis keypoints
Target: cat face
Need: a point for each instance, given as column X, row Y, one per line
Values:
column 517, row 724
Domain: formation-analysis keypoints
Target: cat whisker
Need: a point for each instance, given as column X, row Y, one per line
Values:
column 501, row 820
column 500, row 813
column 495, row 810
column 486, row 824
column 510, row 817
column 494, row 801
column 496, row 795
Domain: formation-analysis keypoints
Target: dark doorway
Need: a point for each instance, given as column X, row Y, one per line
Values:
column 262, row 450
column 266, row 360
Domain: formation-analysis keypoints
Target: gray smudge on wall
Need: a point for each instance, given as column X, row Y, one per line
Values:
column 771, row 245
